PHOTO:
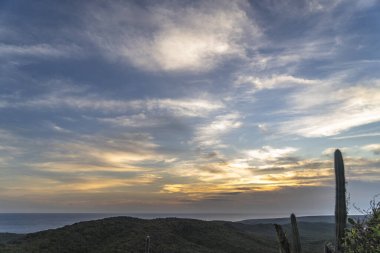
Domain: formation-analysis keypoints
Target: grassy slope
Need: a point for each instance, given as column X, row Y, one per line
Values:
column 125, row 234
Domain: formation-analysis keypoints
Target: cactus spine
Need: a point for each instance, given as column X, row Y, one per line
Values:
column 295, row 234
column 340, row 200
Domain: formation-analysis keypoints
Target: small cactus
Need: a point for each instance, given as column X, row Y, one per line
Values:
column 295, row 235
column 147, row 244
column 283, row 241
column 329, row 248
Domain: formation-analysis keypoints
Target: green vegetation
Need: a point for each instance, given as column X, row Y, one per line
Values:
column 128, row 235
column 364, row 235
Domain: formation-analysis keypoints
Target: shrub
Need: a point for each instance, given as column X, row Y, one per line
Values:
column 364, row 234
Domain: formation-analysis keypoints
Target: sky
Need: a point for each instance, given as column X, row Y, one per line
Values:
column 188, row 106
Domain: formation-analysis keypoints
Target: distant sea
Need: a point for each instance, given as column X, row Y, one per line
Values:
column 22, row 223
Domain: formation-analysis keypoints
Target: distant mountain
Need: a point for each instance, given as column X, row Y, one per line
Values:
column 169, row 235
column 286, row 220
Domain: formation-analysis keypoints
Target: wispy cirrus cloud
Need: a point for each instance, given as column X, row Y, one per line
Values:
column 39, row 50
column 328, row 109
column 91, row 152
column 274, row 82
column 79, row 98
column 356, row 136
column 209, row 134
column 171, row 37
column 291, row 55
column 299, row 8
column 375, row 148
column 136, row 120
column 287, row 48
column 269, row 154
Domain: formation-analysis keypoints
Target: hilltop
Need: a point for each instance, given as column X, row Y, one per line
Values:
column 127, row 234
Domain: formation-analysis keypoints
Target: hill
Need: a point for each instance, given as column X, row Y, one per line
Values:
column 126, row 234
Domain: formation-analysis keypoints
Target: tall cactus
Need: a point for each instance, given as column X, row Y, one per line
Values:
column 295, row 235
column 340, row 200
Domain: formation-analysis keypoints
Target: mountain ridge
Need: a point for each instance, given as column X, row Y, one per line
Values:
column 286, row 220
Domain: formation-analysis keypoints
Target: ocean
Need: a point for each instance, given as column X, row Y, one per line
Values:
column 23, row 223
